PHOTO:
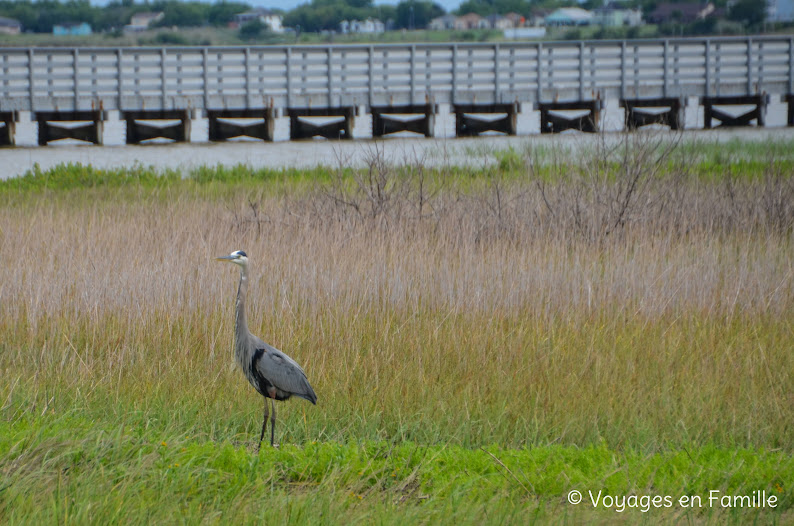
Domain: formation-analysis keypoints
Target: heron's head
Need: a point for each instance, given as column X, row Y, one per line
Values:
column 237, row 257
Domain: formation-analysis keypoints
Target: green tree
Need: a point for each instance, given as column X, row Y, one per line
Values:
column 414, row 14
column 221, row 13
column 748, row 12
column 326, row 14
column 494, row 7
column 252, row 30
column 386, row 13
column 22, row 11
column 182, row 14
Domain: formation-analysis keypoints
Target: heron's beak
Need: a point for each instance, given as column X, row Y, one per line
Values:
column 225, row 258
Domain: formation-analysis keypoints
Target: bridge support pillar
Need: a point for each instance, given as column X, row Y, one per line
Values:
column 222, row 130
column 138, row 132
column 758, row 113
column 339, row 128
column 469, row 119
column 8, row 126
column 53, row 125
column 422, row 120
column 553, row 122
column 639, row 112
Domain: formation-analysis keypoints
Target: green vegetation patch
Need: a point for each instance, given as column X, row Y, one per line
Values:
column 697, row 159
column 65, row 469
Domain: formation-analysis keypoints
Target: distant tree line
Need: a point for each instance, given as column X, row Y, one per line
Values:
column 495, row 7
column 326, row 14
column 318, row 15
column 39, row 16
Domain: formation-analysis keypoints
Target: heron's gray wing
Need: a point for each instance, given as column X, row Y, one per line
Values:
column 284, row 373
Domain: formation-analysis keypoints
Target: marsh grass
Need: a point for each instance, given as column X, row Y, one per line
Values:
column 577, row 315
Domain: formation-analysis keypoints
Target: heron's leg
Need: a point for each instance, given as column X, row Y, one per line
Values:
column 264, row 425
column 272, row 422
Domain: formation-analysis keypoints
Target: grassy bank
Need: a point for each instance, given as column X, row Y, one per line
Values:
column 74, row 471
column 482, row 340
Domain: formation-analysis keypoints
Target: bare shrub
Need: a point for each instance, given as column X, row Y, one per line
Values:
column 635, row 183
column 615, row 185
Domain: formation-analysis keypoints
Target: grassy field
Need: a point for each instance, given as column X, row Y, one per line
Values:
column 482, row 341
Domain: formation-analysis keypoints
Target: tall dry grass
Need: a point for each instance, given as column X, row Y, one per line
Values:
column 616, row 297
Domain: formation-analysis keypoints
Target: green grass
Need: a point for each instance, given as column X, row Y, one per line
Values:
column 479, row 344
column 69, row 470
column 695, row 159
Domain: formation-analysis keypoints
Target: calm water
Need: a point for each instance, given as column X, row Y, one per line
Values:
column 282, row 152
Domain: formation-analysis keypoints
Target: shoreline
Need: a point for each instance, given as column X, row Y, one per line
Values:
column 310, row 153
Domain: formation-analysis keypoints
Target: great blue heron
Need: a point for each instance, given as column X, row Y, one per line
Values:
column 272, row 373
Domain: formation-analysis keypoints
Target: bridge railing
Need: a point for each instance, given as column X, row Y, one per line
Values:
column 65, row 79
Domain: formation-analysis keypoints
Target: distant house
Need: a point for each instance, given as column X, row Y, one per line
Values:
column 569, row 16
column 680, row 13
column 72, row 29
column 369, row 26
column 499, row 22
column 443, row 23
column 271, row 19
column 516, row 20
column 780, row 10
column 471, row 21
column 143, row 21
column 537, row 17
column 614, row 15
column 9, row 26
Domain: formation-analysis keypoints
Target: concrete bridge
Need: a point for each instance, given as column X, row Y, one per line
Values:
column 242, row 90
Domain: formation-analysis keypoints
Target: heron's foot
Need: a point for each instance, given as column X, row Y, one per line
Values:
column 274, row 446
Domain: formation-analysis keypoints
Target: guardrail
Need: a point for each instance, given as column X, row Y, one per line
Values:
column 171, row 78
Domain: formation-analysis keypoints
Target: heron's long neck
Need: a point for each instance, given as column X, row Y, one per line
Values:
column 240, row 326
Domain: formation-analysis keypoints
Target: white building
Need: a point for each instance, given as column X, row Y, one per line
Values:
column 499, row 22
column 612, row 15
column 443, row 22
column 370, row 26
column 780, row 10
column 9, row 26
column 569, row 16
column 142, row 21
column 269, row 18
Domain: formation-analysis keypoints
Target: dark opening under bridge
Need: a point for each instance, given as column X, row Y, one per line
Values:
column 157, row 91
